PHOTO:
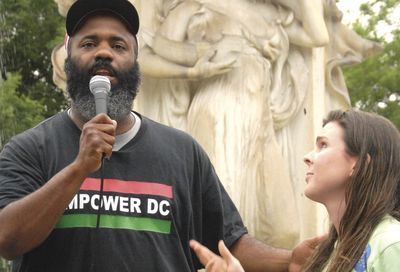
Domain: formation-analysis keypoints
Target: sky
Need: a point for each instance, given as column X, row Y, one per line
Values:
column 350, row 9
column 351, row 12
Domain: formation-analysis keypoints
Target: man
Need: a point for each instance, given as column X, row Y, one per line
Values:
column 64, row 208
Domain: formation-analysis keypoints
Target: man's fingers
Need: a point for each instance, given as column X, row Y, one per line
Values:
column 315, row 241
column 233, row 263
column 103, row 123
column 203, row 253
column 224, row 251
column 101, row 118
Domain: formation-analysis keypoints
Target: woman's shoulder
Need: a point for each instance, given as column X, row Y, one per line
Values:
column 385, row 235
column 389, row 227
column 384, row 246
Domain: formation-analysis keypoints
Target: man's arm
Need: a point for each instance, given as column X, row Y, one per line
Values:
column 256, row 256
column 27, row 222
column 249, row 255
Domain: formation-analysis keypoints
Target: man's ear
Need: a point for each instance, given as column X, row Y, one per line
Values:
column 136, row 51
column 66, row 42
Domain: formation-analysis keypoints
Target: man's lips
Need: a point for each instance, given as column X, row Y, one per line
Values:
column 103, row 72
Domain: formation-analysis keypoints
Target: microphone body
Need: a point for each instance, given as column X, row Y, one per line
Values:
column 100, row 87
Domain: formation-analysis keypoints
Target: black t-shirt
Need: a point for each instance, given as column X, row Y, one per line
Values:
column 159, row 191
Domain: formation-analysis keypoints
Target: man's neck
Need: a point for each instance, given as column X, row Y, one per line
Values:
column 123, row 125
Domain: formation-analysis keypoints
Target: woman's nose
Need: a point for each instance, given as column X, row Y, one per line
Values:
column 308, row 158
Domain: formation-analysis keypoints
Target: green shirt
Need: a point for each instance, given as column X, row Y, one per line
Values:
column 382, row 253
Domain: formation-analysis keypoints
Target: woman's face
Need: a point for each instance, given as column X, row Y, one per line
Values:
column 329, row 166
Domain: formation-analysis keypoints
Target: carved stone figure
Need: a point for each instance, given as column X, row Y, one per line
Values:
column 229, row 113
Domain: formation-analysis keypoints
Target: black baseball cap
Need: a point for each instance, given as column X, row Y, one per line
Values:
column 82, row 9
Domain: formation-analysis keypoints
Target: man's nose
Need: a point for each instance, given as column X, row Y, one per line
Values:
column 104, row 51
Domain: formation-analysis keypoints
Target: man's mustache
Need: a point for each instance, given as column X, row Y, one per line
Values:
column 102, row 64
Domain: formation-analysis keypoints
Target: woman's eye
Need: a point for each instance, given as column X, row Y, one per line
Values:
column 323, row 145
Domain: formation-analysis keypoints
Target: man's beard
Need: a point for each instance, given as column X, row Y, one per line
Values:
column 121, row 97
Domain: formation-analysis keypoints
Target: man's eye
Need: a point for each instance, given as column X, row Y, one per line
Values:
column 119, row 47
column 88, row 45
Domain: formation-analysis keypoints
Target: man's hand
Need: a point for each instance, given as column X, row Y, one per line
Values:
column 215, row 263
column 303, row 251
column 97, row 140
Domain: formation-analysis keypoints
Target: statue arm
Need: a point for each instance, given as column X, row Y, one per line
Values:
column 309, row 29
column 298, row 36
column 153, row 65
column 347, row 40
column 156, row 66
column 179, row 52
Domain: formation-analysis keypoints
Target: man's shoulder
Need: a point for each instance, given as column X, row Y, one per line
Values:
column 169, row 137
column 42, row 130
column 165, row 130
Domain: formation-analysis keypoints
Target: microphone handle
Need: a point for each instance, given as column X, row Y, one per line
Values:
column 101, row 102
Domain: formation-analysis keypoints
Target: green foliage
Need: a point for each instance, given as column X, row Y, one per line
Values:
column 29, row 30
column 374, row 85
column 368, row 9
column 4, row 266
column 17, row 112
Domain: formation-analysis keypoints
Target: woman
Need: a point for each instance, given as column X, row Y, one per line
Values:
column 354, row 171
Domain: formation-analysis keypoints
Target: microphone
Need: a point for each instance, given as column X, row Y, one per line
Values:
column 100, row 87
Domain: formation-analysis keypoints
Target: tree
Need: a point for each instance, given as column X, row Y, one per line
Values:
column 4, row 266
column 374, row 85
column 29, row 30
column 17, row 112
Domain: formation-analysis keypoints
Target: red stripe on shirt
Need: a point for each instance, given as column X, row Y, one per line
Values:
column 128, row 187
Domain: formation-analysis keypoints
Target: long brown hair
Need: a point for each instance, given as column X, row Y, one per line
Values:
column 372, row 191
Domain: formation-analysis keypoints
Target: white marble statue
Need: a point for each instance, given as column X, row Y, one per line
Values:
column 229, row 113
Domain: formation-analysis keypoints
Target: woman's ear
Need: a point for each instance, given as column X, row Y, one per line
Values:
column 352, row 171
column 355, row 162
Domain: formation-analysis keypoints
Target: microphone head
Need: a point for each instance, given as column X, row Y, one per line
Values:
column 100, row 84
